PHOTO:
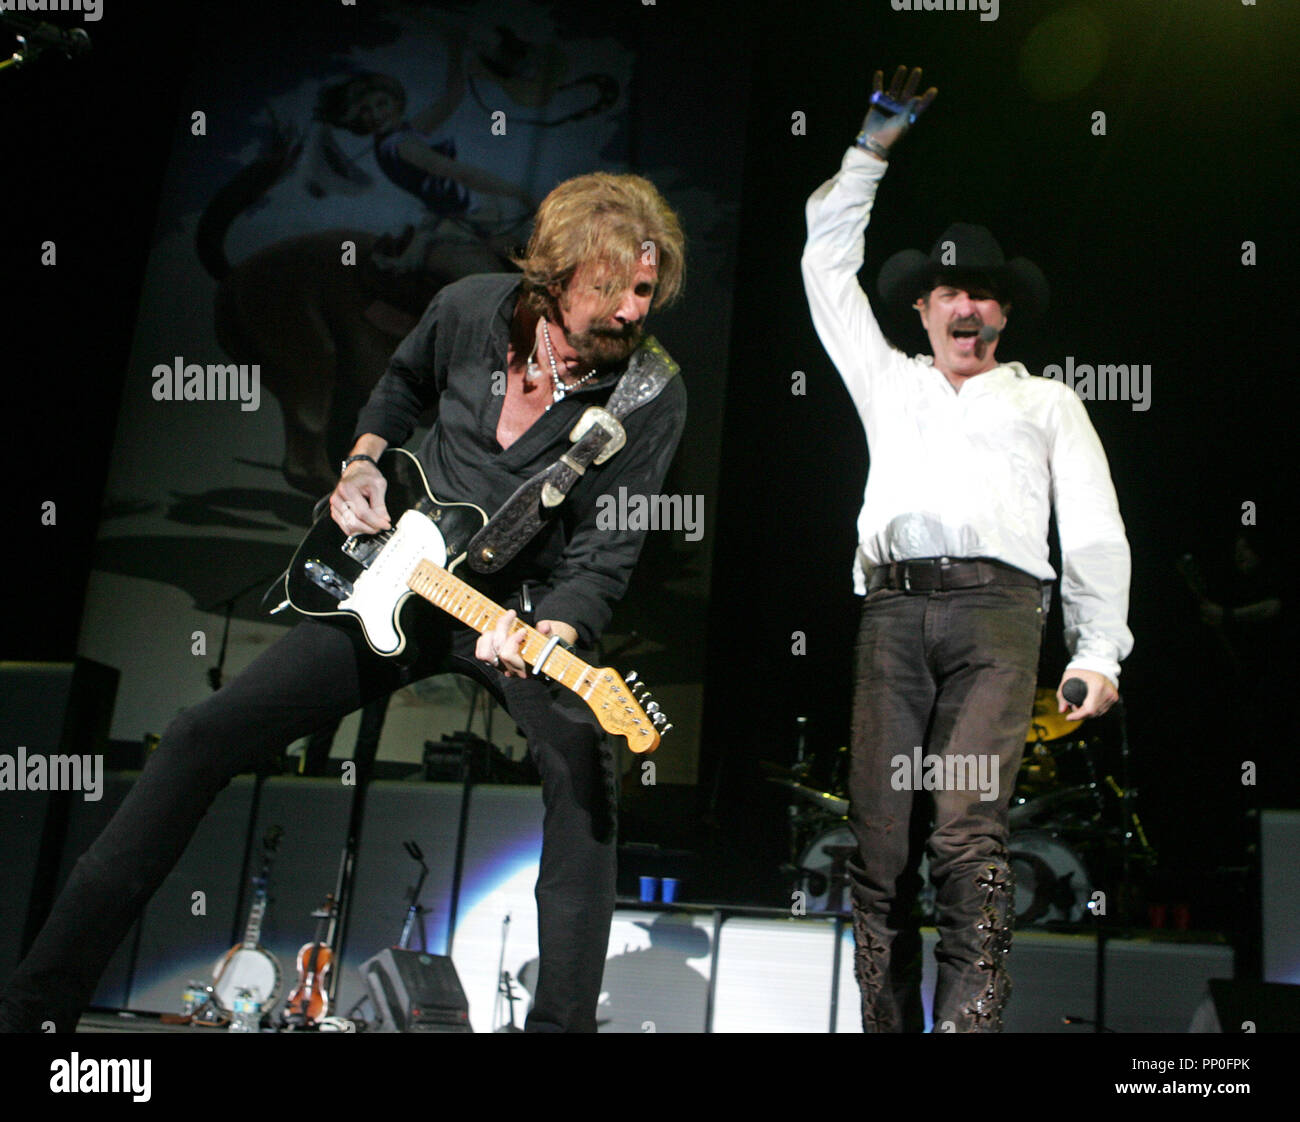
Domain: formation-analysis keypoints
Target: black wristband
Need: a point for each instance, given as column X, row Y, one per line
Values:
column 869, row 144
column 353, row 459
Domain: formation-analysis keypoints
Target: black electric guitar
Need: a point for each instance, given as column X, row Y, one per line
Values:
column 370, row 577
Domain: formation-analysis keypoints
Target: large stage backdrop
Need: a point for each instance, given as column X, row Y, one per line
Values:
column 293, row 251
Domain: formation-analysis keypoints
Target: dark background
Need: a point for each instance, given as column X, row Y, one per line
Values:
column 1139, row 233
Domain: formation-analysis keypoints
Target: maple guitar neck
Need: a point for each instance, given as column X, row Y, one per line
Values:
column 608, row 696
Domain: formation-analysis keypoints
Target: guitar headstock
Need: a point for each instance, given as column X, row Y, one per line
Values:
column 625, row 707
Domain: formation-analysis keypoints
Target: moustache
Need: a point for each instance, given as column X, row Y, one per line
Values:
column 626, row 332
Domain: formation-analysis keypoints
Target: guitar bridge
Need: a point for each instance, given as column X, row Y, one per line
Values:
column 364, row 548
column 324, row 577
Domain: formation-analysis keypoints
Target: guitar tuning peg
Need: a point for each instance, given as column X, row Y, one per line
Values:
column 639, row 690
column 652, row 708
column 665, row 730
column 631, row 677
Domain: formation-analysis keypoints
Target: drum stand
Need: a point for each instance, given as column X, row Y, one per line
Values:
column 1131, row 827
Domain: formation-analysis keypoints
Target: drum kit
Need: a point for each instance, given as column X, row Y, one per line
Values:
column 1073, row 827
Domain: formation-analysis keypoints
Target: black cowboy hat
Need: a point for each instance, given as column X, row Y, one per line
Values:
column 964, row 249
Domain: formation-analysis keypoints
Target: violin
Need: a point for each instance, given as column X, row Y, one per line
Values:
column 309, row 1003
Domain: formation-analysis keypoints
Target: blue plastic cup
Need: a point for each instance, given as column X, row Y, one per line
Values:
column 670, row 890
column 649, row 886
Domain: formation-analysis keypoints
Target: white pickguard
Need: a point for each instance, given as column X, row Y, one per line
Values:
column 248, row 968
column 378, row 593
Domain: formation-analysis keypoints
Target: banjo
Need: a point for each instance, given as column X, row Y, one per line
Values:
column 248, row 965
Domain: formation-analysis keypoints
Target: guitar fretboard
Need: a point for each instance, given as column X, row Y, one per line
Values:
column 475, row 610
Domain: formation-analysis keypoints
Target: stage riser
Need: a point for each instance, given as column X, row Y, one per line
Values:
column 772, row 974
column 1280, row 893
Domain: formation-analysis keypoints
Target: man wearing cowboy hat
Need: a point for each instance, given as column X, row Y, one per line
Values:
column 968, row 456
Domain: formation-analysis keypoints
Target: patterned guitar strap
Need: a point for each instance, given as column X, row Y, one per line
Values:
column 596, row 437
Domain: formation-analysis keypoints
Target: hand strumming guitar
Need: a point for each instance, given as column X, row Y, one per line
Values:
column 357, row 501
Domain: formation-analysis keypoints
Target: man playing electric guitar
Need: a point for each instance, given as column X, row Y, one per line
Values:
column 510, row 363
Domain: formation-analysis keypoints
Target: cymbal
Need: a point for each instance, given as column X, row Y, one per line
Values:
column 1046, row 723
column 823, row 800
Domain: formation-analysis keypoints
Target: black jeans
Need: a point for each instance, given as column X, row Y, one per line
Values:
column 314, row 675
column 952, row 673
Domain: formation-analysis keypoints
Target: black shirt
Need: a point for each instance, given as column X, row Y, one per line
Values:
column 447, row 363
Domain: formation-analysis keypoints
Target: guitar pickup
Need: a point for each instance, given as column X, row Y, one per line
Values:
column 364, row 548
column 324, row 577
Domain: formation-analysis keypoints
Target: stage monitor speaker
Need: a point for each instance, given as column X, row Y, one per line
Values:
column 415, row 992
column 47, row 708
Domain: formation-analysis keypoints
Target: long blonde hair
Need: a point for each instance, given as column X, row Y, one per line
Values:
column 614, row 223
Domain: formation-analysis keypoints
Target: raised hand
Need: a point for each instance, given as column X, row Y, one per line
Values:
column 892, row 113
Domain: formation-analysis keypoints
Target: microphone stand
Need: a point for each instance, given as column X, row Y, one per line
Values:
column 1099, row 973
column 505, row 985
column 415, row 913
column 216, row 676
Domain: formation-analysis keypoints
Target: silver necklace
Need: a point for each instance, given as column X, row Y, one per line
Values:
column 559, row 390
column 533, row 371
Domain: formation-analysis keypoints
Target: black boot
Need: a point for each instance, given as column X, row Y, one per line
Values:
column 977, row 915
column 887, row 962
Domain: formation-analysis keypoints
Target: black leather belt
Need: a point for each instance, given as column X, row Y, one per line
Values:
column 945, row 574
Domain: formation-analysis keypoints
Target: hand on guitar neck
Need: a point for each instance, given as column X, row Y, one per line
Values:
column 502, row 646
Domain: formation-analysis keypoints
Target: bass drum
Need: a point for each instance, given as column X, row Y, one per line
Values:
column 1052, row 885
column 822, row 869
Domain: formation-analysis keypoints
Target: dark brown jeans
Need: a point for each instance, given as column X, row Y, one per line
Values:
column 952, row 673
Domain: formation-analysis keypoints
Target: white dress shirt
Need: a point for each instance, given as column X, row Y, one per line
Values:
column 969, row 474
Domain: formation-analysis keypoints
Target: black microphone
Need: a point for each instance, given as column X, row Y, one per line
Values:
column 1075, row 691
column 41, row 35
column 988, row 333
